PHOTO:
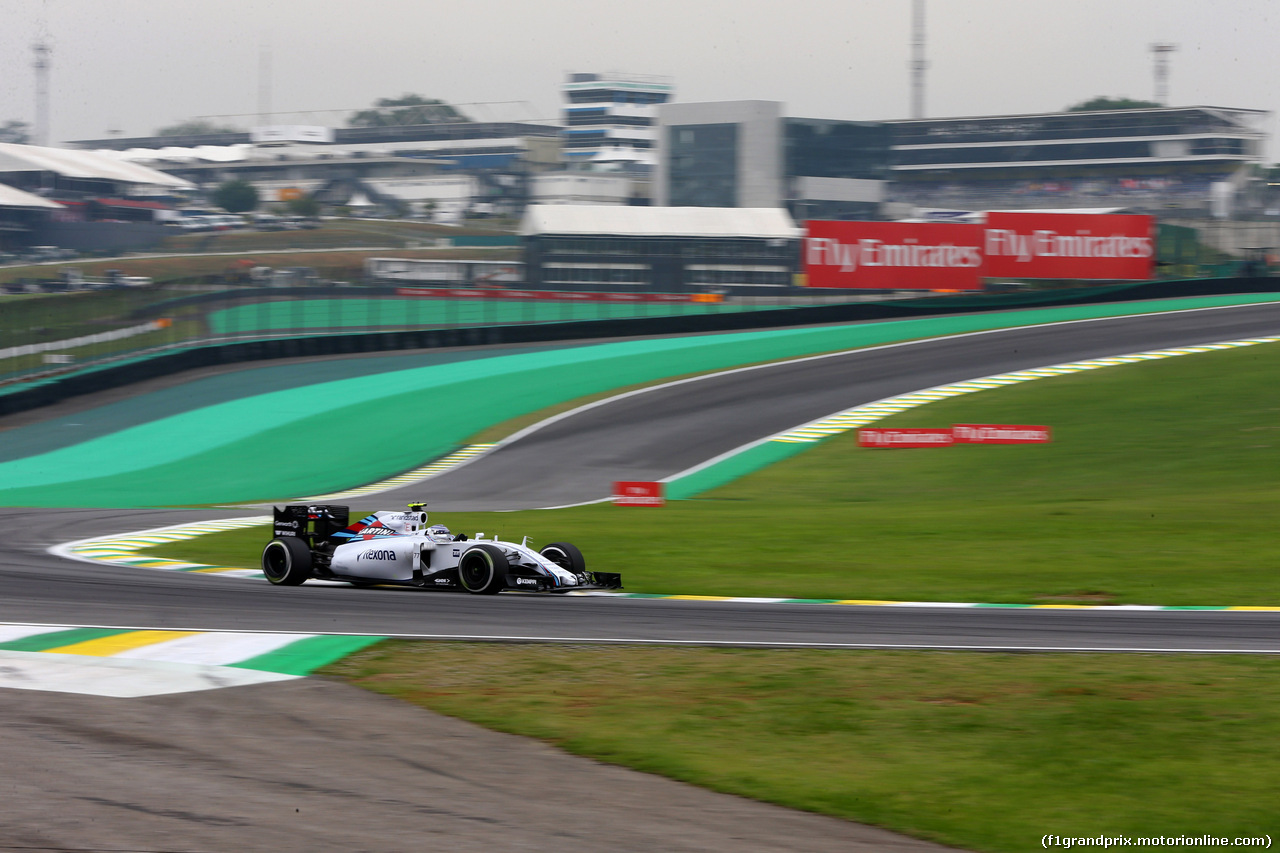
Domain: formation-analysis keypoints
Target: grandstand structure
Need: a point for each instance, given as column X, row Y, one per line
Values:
column 80, row 200
column 451, row 168
column 1181, row 160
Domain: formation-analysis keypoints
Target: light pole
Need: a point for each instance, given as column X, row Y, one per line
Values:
column 918, row 64
column 42, row 51
column 1160, row 51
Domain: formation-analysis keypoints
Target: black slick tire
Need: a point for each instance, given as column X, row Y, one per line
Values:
column 567, row 556
column 286, row 561
column 482, row 569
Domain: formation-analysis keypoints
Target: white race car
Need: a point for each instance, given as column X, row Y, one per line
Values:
column 401, row 548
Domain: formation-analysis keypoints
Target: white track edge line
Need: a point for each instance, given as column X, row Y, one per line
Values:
column 640, row 641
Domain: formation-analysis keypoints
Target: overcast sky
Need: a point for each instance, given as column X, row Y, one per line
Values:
column 134, row 66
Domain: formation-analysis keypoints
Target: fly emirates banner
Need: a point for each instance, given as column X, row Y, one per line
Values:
column 954, row 256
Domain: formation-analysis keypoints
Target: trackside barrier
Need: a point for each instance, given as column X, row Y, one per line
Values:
column 23, row 396
column 889, row 309
column 549, row 295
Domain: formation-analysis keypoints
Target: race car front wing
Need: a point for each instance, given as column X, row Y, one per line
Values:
column 595, row 580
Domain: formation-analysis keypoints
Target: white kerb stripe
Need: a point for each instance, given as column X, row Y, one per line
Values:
column 213, row 649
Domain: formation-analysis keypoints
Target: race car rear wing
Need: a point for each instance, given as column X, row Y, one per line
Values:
column 313, row 522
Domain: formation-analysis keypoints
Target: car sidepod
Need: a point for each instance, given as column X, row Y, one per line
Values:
column 392, row 558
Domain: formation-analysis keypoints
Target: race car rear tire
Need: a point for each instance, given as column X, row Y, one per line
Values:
column 286, row 561
column 482, row 569
column 567, row 556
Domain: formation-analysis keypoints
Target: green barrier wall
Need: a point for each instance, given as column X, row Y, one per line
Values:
column 311, row 314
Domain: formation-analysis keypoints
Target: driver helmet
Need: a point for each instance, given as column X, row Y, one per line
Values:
column 438, row 530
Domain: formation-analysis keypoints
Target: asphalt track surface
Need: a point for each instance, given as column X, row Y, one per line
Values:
column 648, row 436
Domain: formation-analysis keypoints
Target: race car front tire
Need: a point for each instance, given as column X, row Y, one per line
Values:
column 286, row 561
column 567, row 556
column 482, row 569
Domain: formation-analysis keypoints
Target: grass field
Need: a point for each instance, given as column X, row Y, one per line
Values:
column 35, row 318
column 405, row 239
column 178, row 331
column 333, row 232
column 333, row 264
column 981, row 751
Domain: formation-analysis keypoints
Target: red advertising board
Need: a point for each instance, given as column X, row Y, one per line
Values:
column 1000, row 434
column 894, row 255
column 1069, row 245
column 895, row 438
column 638, row 494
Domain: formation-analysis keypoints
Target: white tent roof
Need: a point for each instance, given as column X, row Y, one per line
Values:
column 1087, row 211
column 80, row 164
column 13, row 197
column 593, row 219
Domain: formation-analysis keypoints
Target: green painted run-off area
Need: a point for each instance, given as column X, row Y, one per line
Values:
column 319, row 436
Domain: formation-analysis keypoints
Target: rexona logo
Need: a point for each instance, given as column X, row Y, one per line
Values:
column 374, row 554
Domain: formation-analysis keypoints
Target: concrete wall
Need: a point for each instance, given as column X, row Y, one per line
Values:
column 839, row 189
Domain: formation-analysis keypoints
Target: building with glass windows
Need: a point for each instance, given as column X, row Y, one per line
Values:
column 747, row 154
column 609, row 118
column 1157, row 158
column 660, row 249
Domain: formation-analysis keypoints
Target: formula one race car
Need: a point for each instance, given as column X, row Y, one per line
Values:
column 400, row 548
